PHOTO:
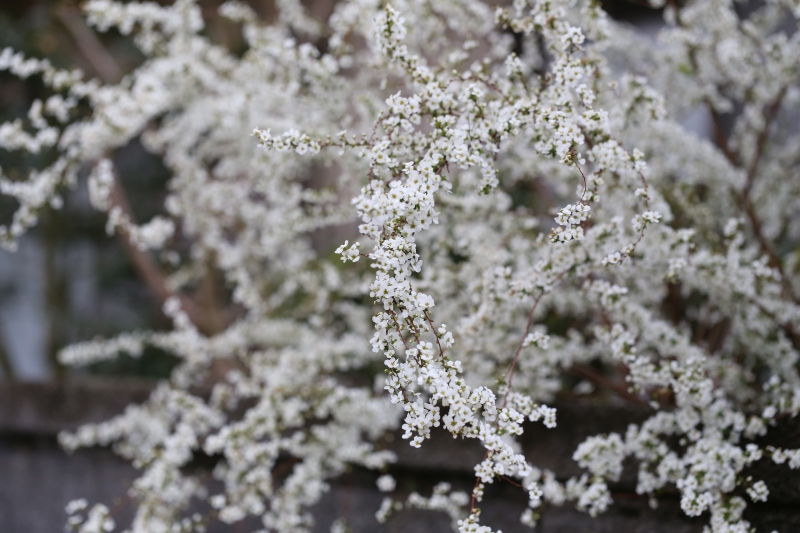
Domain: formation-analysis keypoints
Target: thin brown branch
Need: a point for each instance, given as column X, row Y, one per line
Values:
column 55, row 294
column 433, row 330
column 504, row 478
column 787, row 327
column 147, row 268
column 397, row 328
column 583, row 176
column 743, row 196
column 208, row 298
column 528, row 325
column 620, row 389
column 717, row 336
column 143, row 262
column 770, row 113
column 719, row 135
column 477, row 483
column 90, row 46
column 5, row 361
column 765, row 245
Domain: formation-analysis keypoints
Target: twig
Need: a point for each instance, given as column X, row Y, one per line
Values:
column 109, row 71
column 770, row 113
column 5, row 360
column 787, row 327
column 433, row 330
column 575, row 163
column 765, row 245
column 743, row 196
column 528, row 325
column 504, row 478
column 477, row 483
column 90, row 46
column 146, row 266
column 522, row 342
column 55, row 294
column 594, row 377
column 719, row 135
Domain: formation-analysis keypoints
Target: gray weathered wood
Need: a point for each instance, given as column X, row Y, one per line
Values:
column 37, row 478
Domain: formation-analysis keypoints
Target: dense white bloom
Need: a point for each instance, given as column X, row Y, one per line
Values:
column 602, row 455
column 546, row 204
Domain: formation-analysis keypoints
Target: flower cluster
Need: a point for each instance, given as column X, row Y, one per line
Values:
column 451, row 147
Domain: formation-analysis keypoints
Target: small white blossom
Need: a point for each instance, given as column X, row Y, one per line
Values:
column 386, row 483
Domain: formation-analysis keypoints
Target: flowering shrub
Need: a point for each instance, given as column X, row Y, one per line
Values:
column 529, row 203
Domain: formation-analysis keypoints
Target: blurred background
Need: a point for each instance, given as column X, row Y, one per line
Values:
column 70, row 281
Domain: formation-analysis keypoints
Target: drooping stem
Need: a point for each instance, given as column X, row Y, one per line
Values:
column 147, row 268
column 5, row 360
column 90, row 46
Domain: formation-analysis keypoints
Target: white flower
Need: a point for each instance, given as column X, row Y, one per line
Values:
column 386, row 483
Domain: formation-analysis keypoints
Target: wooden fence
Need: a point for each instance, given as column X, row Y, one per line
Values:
column 37, row 478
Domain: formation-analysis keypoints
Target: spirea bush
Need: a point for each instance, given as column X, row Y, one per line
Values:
column 529, row 206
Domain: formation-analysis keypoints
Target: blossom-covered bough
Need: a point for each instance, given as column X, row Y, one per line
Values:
column 529, row 203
